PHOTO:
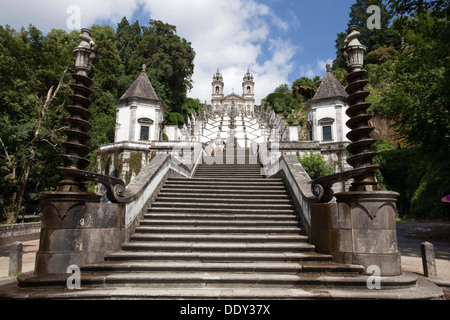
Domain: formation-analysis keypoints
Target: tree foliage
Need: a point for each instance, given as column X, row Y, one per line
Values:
column 32, row 63
column 373, row 39
column 409, row 79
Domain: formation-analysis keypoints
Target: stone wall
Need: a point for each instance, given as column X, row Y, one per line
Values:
column 24, row 231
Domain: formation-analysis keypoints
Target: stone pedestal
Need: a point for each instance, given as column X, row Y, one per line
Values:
column 359, row 229
column 77, row 229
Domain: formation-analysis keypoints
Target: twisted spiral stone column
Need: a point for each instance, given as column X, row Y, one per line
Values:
column 76, row 149
column 360, row 148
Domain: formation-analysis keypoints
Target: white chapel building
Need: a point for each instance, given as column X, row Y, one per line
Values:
column 326, row 112
column 139, row 112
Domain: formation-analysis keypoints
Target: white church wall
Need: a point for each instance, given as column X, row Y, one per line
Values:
column 122, row 124
column 173, row 133
column 293, row 133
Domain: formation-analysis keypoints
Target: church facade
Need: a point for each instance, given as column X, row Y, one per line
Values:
column 221, row 103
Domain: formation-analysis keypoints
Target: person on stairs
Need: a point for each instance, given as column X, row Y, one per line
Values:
column 214, row 147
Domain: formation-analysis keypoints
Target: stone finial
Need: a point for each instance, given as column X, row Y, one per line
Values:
column 352, row 37
column 353, row 51
column 86, row 40
column 328, row 67
column 144, row 67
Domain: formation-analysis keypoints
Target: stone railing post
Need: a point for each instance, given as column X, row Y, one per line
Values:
column 15, row 258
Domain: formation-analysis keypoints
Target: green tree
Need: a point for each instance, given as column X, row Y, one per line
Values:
column 417, row 95
column 190, row 106
column 412, row 92
column 305, row 87
column 34, row 88
column 371, row 38
column 315, row 165
column 282, row 88
column 32, row 95
column 170, row 62
column 127, row 43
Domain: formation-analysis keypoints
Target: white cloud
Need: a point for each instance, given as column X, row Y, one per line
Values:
column 50, row 14
column 232, row 35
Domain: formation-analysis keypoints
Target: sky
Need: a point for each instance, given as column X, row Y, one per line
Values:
column 279, row 41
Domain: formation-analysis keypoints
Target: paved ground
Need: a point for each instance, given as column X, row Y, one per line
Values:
column 409, row 245
column 407, row 232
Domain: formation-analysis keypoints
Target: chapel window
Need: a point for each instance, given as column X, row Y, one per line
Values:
column 327, row 124
column 327, row 136
column 145, row 133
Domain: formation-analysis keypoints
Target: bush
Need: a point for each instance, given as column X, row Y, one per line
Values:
column 315, row 165
column 421, row 182
column 175, row 119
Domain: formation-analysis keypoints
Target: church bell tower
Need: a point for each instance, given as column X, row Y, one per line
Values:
column 217, row 85
column 248, row 85
column 217, row 90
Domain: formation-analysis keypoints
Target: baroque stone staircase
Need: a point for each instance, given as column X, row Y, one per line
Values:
column 226, row 233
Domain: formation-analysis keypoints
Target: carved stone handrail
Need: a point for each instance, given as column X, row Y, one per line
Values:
column 321, row 187
column 118, row 192
column 115, row 187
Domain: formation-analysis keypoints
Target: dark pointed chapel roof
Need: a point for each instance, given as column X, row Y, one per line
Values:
column 141, row 88
column 330, row 88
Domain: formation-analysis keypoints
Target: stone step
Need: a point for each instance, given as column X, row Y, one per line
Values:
column 200, row 279
column 217, row 196
column 220, row 216
column 222, row 183
column 242, row 191
column 218, row 222
column 171, row 266
column 229, row 166
column 225, row 238
column 223, row 257
column 234, row 166
column 222, row 200
column 220, row 175
column 230, row 205
column 208, row 210
column 405, row 287
column 217, row 188
column 230, row 160
column 218, row 229
column 216, row 246
column 212, row 174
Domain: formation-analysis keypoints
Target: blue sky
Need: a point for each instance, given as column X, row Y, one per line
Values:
column 278, row 40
